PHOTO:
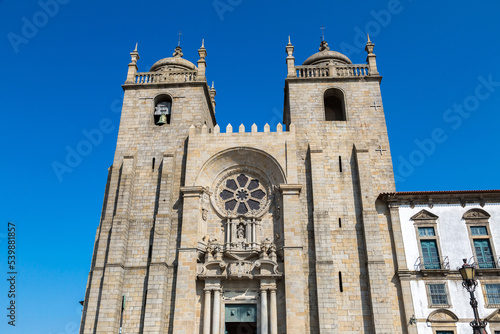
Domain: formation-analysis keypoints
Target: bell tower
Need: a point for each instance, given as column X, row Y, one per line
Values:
column 132, row 269
column 336, row 108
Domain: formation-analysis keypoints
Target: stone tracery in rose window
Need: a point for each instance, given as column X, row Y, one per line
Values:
column 242, row 195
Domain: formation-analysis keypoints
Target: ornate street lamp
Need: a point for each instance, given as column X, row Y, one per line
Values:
column 469, row 283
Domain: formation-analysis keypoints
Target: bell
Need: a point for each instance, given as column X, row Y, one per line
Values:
column 162, row 120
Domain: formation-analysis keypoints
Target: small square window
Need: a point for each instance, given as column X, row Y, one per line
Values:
column 426, row 232
column 478, row 230
column 492, row 294
column 438, row 295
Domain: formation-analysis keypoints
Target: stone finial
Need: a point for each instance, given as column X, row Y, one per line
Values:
column 202, row 51
column 241, row 128
column 254, row 127
column 202, row 64
column 217, row 128
column 290, row 60
column 192, row 130
column 212, row 93
column 204, row 128
column 323, row 46
column 369, row 45
column 291, row 127
column 229, row 128
column 371, row 58
column 178, row 52
column 279, row 128
column 132, row 67
column 267, row 128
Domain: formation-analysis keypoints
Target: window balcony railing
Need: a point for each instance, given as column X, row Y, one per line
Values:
column 438, row 263
column 485, row 263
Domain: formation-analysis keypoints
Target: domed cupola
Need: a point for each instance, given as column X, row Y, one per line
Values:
column 176, row 62
column 324, row 56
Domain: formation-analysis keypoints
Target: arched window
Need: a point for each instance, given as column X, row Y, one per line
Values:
column 334, row 105
column 163, row 110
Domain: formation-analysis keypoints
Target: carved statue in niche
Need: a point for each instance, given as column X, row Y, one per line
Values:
column 241, row 232
column 240, row 236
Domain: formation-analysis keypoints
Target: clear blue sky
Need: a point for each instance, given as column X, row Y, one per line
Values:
column 61, row 74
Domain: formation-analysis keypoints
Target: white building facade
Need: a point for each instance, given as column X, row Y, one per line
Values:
column 433, row 233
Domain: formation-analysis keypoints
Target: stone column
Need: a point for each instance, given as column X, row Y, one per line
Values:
column 234, row 226
column 274, row 311
column 254, row 235
column 263, row 312
column 228, row 233
column 248, row 233
column 216, row 312
column 206, row 313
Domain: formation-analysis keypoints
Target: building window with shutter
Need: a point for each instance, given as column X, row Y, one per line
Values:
column 480, row 237
column 438, row 295
column 492, row 294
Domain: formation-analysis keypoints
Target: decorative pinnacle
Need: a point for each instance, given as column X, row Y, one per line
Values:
column 134, row 55
column 289, row 49
column 322, row 33
column 212, row 85
column 202, row 51
column 179, row 42
column 369, row 46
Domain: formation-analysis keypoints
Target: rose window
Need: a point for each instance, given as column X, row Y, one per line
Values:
column 242, row 194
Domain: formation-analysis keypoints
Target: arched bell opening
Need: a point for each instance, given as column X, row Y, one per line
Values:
column 163, row 110
column 334, row 105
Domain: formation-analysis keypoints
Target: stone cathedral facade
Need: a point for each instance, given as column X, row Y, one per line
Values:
column 210, row 231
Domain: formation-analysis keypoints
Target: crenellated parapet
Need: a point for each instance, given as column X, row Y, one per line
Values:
column 216, row 131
